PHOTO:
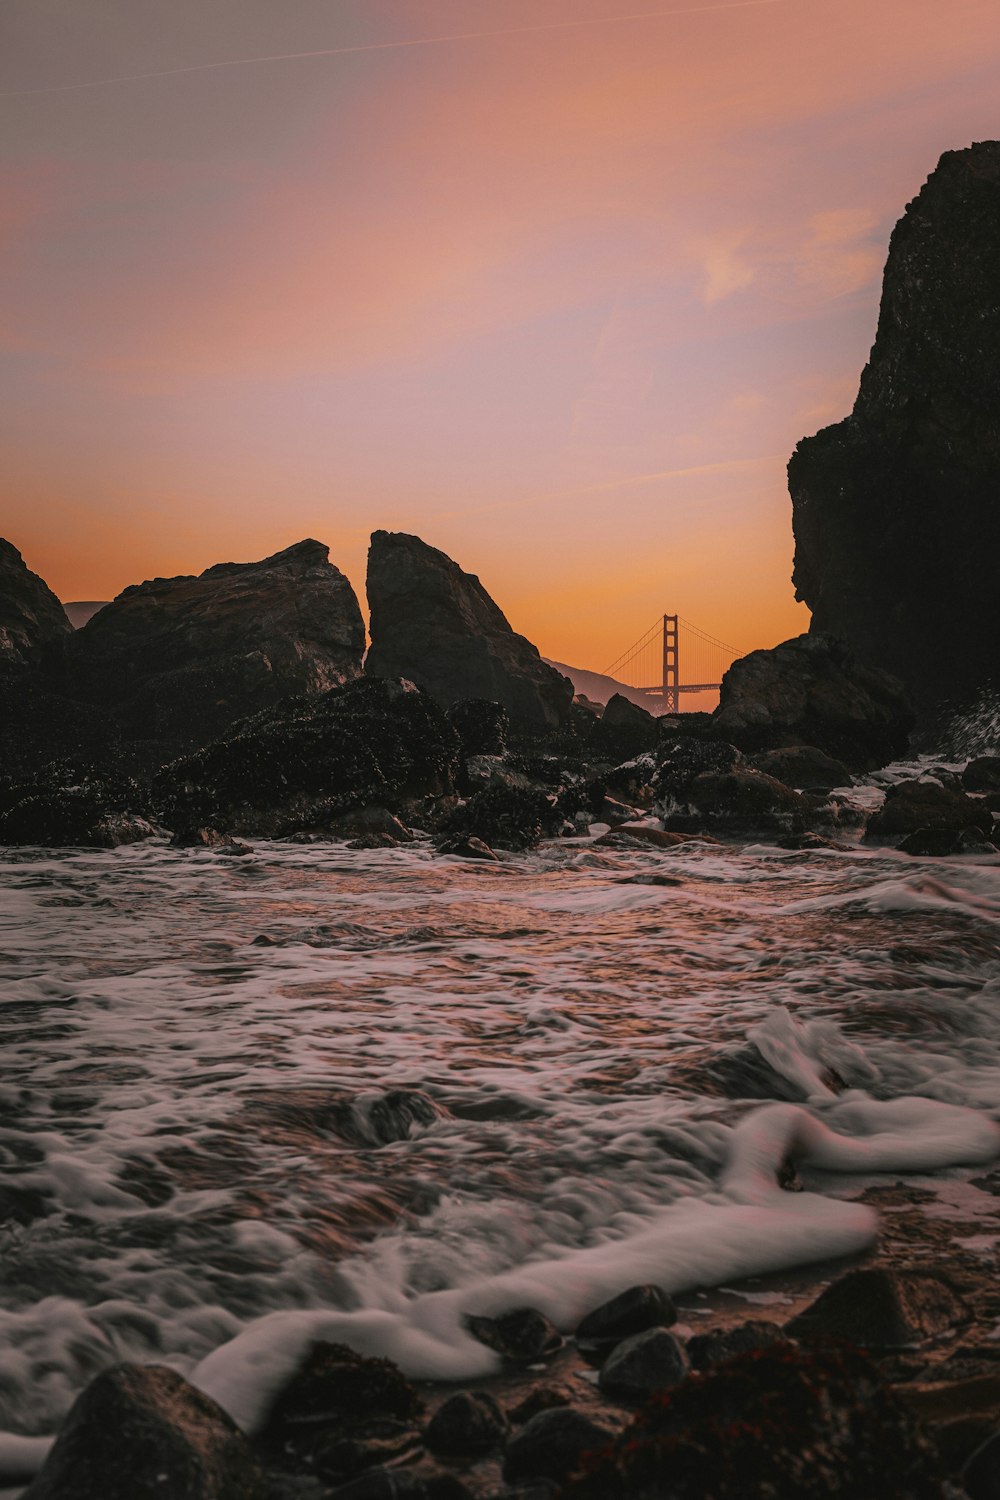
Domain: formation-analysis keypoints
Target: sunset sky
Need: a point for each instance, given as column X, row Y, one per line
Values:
column 560, row 299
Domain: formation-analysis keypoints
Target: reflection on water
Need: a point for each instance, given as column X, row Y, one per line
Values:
column 293, row 1080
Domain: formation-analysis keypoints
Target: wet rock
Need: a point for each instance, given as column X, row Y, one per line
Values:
column 783, row 1423
column 982, row 774
column 468, row 1423
column 642, row 1364
column 553, row 1445
column 802, row 766
column 201, row 838
column 881, row 1308
column 708, row 1349
column 75, row 817
column 341, row 1413
column 142, row 1430
column 742, row 802
column 894, row 509
column 521, row 1336
column 633, row 1311
column 913, row 805
column 465, row 846
column 938, row 843
column 437, row 626
column 378, row 1119
column 31, row 617
column 505, row 818
column 812, row 691
column 363, row 822
column 304, row 765
column 179, row 660
column 679, row 762
column 643, row 833
column 482, row 725
column 809, row 841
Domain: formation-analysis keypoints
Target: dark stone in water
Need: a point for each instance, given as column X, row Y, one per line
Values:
column 553, row 1445
column 341, row 1413
column 913, row 805
column 938, row 843
column 377, row 1120
column 143, row 1430
column 505, row 817
column 200, row 838
column 982, row 774
column 521, row 1336
column 780, row 1423
column 633, row 1311
column 465, row 846
column 642, row 1364
column 468, row 1423
column 707, row 1349
column 76, row 817
column 882, row 1308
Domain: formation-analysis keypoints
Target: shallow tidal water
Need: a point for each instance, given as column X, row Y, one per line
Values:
column 381, row 1088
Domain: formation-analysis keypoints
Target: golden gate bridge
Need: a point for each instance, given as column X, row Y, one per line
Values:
column 653, row 664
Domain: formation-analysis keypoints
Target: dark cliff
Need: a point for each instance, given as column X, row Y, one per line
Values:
column 895, row 509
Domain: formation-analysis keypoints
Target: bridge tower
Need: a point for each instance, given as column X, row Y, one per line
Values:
column 671, row 665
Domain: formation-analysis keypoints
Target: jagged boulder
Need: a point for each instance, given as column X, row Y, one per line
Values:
column 910, row 806
column 812, row 691
column 437, row 626
column 897, row 529
column 179, row 660
column 143, row 1430
column 31, row 616
column 302, row 765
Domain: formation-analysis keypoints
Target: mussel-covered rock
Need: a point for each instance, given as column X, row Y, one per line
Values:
column 307, row 763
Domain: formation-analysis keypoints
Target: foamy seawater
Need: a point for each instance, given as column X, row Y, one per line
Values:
column 364, row 1092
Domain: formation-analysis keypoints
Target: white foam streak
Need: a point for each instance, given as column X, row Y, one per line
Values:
column 751, row 1227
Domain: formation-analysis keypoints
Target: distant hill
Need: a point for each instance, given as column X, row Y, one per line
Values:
column 80, row 610
column 600, row 688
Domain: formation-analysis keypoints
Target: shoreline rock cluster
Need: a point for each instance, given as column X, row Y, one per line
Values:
column 332, row 748
column 883, row 1384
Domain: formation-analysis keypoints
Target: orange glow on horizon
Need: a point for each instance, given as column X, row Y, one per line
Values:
column 560, row 300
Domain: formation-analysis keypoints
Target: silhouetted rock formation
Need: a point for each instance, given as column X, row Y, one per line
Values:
column 31, row 616
column 439, row 627
column 811, row 691
column 897, row 526
column 181, row 659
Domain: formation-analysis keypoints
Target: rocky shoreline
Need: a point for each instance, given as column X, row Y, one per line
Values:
column 880, row 1379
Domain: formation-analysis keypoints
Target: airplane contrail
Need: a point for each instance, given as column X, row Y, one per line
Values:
column 429, row 41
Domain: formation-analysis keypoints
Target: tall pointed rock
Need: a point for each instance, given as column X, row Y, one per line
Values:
column 437, row 625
